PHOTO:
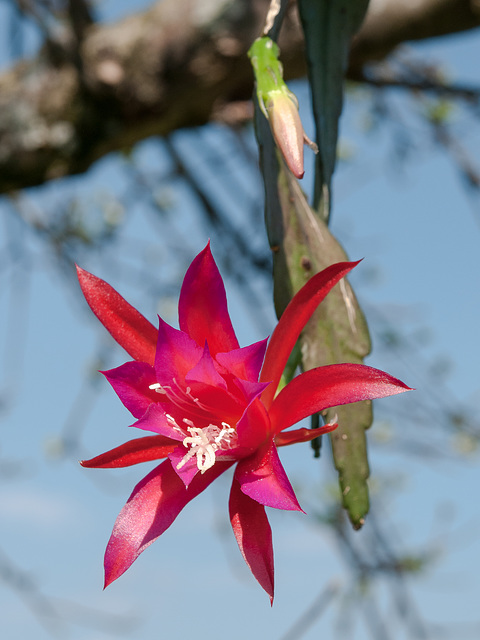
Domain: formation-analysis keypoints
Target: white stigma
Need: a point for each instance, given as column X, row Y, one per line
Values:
column 205, row 442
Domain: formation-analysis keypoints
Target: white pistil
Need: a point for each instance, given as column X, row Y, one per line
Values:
column 201, row 447
column 205, row 442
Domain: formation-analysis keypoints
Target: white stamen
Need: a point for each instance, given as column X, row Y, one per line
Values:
column 225, row 436
column 178, row 395
column 188, row 393
column 173, row 422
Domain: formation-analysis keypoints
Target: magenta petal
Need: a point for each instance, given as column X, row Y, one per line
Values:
column 254, row 536
column 302, row 435
column 131, row 383
column 250, row 390
column 330, row 386
column 292, row 322
column 189, row 470
column 244, row 363
column 127, row 326
column 176, row 354
column 154, row 504
column 155, row 419
column 202, row 308
column 263, row 478
column 132, row 452
column 204, row 371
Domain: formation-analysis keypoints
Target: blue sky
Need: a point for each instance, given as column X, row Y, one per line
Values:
column 419, row 227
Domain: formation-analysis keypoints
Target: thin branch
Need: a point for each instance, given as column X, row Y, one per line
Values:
column 383, row 80
column 313, row 613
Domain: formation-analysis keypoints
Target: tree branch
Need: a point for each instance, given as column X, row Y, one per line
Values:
column 171, row 67
column 389, row 23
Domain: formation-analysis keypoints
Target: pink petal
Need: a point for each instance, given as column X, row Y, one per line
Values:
column 189, row 470
column 254, row 536
column 202, row 308
column 263, row 478
column 302, row 435
column 244, row 363
column 292, row 322
column 127, row 326
column 205, row 371
column 176, row 354
column 211, row 392
column 154, row 504
column 155, row 419
column 330, row 386
column 131, row 383
column 132, row 452
column 250, row 390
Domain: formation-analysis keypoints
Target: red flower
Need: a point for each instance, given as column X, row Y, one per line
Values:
column 212, row 404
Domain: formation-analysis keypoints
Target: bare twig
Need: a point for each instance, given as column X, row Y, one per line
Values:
column 314, row 612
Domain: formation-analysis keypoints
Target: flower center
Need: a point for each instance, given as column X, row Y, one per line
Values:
column 204, row 442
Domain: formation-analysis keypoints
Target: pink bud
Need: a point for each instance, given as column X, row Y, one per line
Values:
column 287, row 129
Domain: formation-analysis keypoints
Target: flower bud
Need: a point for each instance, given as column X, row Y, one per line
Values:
column 287, row 129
